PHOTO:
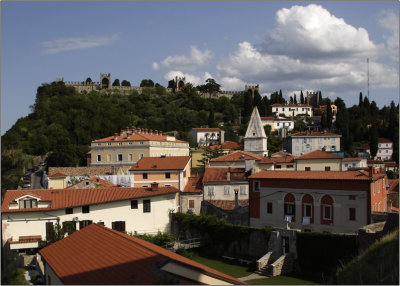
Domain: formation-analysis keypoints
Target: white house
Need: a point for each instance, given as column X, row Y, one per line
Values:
column 356, row 162
column 301, row 143
column 385, row 149
column 207, row 136
column 292, row 110
column 28, row 215
column 278, row 123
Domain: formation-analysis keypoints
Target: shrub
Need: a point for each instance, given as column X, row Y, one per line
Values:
column 160, row 239
column 18, row 277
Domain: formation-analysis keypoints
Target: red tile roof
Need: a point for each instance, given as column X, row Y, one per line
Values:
column 83, row 171
column 228, row 205
column 314, row 134
column 351, row 159
column 237, row 156
column 281, row 154
column 98, row 255
column 384, row 140
column 227, row 145
column 391, row 164
column 194, row 185
column 207, row 129
column 290, row 105
column 58, row 174
column 101, row 182
column 288, row 159
column 136, row 137
column 317, row 154
column 66, row 198
column 315, row 175
column 235, row 127
column 394, row 186
column 220, row 174
column 161, row 163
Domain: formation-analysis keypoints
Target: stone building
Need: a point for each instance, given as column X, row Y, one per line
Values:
column 255, row 139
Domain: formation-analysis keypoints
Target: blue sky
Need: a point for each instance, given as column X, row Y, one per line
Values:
column 288, row 45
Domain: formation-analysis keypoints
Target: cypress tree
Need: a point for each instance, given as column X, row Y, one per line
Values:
column 294, row 99
column 301, row 97
column 211, row 118
column 329, row 115
column 373, row 142
column 360, row 100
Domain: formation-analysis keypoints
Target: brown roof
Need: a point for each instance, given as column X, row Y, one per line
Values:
column 394, row 186
column 98, row 255
column 57, row 174
column 194, row 185
column 315, row 175
column 136, row 137
column 314, row 134
column 384, row 140
column 104, row 183
column 282, row 154
column 290, row 105
column 228, row 205
column 227, row 145
column 220, row 174
column 317, row 154
column 207, row 129
column 267, row 118
column 81, row 171
column 161, row 163
column 351, row 159
column 237, row 156
column 288, row 159
column 66, row 198
column 391, row 164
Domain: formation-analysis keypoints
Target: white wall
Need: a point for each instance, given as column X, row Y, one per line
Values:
column 219, row 191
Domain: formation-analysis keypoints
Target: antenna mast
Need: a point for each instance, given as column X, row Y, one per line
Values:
column 368, row 75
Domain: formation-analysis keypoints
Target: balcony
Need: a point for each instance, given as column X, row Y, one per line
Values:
column 25, row 242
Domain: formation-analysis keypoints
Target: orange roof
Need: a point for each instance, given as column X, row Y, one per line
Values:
column 384, row 140
column 161, row 163
column 58, row 174
column 136, row 137
column 351, row 159
column 281, row 154
column 220, row 174
column 290, row 104
column 315, row 175
column 104, row 256
column 226, row 145
column 99, row 181
column 317, row 154
column 314, row 134
column 288, row 159
column 193, row 185
column 393, row 186
column 207, row 129
column 66, row 198
column 391, row 164
column 237, row 156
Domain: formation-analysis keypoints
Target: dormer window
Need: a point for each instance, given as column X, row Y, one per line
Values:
column 28, row 203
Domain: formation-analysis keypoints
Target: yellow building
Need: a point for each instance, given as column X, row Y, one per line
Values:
column 197, row 154
column 130, row 145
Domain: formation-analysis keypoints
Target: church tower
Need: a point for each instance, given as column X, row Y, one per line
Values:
column 255, row 140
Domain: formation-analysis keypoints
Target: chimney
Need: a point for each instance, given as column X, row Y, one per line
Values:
column 115, row 136
column 154, row 186
column 151, row 131
column 121, row 132
column 370, row 171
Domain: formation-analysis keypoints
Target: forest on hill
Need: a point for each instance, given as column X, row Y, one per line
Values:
column 63, row 122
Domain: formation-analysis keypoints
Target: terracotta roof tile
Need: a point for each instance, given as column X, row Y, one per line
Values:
column 391, row 164
column 57, row 174
column 237, row 156
column 194, row 185
column 220, row 174
column 207, row 129
column 66, row 198
column 317, row 154
column 105, row 256
column 384, row 140
column 314, row 134
column 82, row 171
column 315, row 175
column 393, row 186
column 227, row 145
column 281, row 154
column 351, row 159
column 161, row 163
column 136, row 137
column 290, row 105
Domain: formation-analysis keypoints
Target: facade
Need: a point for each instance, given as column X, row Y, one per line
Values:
column 226, row 148
column 291, row 110
column 255, row 140
column 207, row 136
column 192, row 196
column 302, row 143
column 92, row 182
column 393, row 196
column 357, row 162
column 385, row 149
column 226, row 188
column 235, row 159
column 278, row 123
column 98, row 255
column 319, row 161
column 166, row 171
column 30, row 214
column 130, row 145
column 339, row 202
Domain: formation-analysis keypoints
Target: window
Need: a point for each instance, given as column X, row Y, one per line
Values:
column 141, row 142
column 309, row 140
column 227, row 190
column 141, row 156
column 297, row 140
column 167, row 175
column 379, row 206
column 211, row 190
column 278, row 166
column 303, row 148
column 130, row 143
column 333, row 140
column 277, row 124
column 308, row 210
column 307, row 169
column 327, row 212
column 352, row 214
column 146, row 206
column 84, row 223
column 118, row 225
column 256, row 186
column 352, row 197
column 191, row 204
column 119, row 157
column 297, row 148
column 120, row 143
column 144, row 175
column 310, row 147
column 289, row 166
column 69, row 211
column 98, row 158
column 108, row 157
column 289, row 209
column 85, row 209
column 320, row 140
column 101, row 223
column 346, row 165
column 27, row 203
column 379, row 187
column 333, row 148
column 134, row 204
column 269, row 208
column 131, row 157
column 243, row 190
column 108, row 144
column 304, row 140
column 327, row 168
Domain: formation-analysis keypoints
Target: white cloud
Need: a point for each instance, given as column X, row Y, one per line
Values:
column 69, row 44
column 390, row 21
column 197, row 58
column 195, row 79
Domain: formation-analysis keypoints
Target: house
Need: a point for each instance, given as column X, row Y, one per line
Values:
column 192, row 196
column 32, row 213
column 92, row 182
column 207, row 136
column 291, row 110
column 226, row 188
column 334, row 201
column 97, row 255
column 393, row 196
column 63, row 177
column 278, row 123
column 356, row 162
column 226, row 148
column 166, row 171
column 385, row 149
column 132, row 144
column 319, row 161
column 301, row 143
column 255, row 139
column 235, row 159
column 391, row 166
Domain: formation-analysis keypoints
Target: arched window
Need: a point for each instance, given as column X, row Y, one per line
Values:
column 307, row 205
column 289, row 207
column 327, row 210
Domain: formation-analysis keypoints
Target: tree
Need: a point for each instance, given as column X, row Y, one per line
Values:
column 212, row 86
column 172, row 84
column 267, row 129
column 248, row 104
column 294, row 99
column 360, row 100
column 147, row 83
column 329, row 115
column 257, row 99
column 291, row 99
column 125, row 83
column 88, row 80
column 373, row 141
column 209, row 154
column 301, row 97
column 211, row 118
column 116, row 82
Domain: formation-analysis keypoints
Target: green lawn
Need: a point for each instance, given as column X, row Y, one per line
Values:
column 280, row 280
column 233, row 270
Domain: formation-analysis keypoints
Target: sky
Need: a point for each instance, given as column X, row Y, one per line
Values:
column 280, row 45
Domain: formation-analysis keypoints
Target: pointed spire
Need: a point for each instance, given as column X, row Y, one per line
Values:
column 255, row 129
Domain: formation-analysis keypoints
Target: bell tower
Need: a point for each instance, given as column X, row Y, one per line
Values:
column 255, row 140
column 105, row 80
